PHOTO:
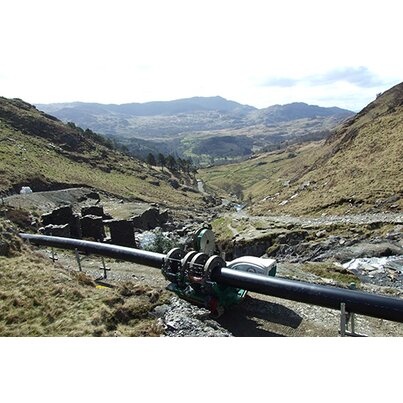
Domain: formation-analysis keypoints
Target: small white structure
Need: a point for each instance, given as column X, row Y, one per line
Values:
column 252, row 264
column 25, row 190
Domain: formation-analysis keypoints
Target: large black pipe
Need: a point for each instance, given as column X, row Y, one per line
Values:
column 114, row 251
column 359, row 302
column 330, row 297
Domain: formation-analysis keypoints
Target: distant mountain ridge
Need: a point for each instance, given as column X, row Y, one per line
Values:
column 185, row 105
column 299, row 110
column 287, row 112
column 186, row 126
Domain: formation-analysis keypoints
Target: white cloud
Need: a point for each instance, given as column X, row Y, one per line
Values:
column 360, row 76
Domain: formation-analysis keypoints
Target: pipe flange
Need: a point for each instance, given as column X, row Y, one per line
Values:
column 186, row 261
column 173, row 260
column 196, row 268
column 213, row 262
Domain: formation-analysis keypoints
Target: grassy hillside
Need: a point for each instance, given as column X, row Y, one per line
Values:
column 359, row 168
column 40, row 151
column 40, row 298
column 262, row 176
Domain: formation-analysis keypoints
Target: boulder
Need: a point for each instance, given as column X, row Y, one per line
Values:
column 63, row 215
column 75, row 227
column 4, row 248
column 150, row 219
column 174, row 183
column 90, row 195
column 367, row 250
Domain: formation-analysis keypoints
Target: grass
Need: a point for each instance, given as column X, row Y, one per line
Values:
column 221, row 229
column 262, row 176
column 331, row 271
column 39, row 298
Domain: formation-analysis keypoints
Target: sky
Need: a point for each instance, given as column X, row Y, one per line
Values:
column 256, row 52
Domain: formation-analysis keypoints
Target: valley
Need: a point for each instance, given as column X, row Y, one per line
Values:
column 315, row 206
column 205, row 129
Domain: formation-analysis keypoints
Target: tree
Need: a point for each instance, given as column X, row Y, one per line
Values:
column 151, row 160
column 171, row 162
column 161, row 160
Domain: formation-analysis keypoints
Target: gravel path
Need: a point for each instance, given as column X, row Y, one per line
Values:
column 357, row 219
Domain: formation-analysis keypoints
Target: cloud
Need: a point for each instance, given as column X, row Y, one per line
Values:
column 359, row 76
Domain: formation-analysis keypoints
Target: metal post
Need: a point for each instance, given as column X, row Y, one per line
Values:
column 52, row 251
column 53, row 255
column 342, row 319
column 352, row 323
column 78, row 259
column 104, row 268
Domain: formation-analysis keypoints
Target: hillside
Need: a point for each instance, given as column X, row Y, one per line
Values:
column 297, row 110
column 40, row 151
column 359, row 168
column 190, row 126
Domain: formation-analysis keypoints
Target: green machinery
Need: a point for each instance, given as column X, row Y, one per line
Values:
column 190, row 273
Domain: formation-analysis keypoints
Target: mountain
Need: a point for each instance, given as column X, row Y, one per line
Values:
column 190, row 126
column 298, row 110
column 40, row 151
column 358, row 168
column 186, row 105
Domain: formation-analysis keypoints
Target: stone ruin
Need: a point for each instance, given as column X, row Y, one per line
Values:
column 63, row 222
column 92, row 227
column 122, row 232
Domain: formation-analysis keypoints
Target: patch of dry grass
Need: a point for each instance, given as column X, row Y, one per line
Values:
column 39, row 298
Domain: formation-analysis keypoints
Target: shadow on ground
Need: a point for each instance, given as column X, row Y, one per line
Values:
column 245, row 319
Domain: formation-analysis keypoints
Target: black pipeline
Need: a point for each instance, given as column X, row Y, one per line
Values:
column 114, row 251
column 330, row 297
column 358, row 302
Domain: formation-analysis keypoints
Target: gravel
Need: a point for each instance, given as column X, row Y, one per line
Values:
column 181, row 319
